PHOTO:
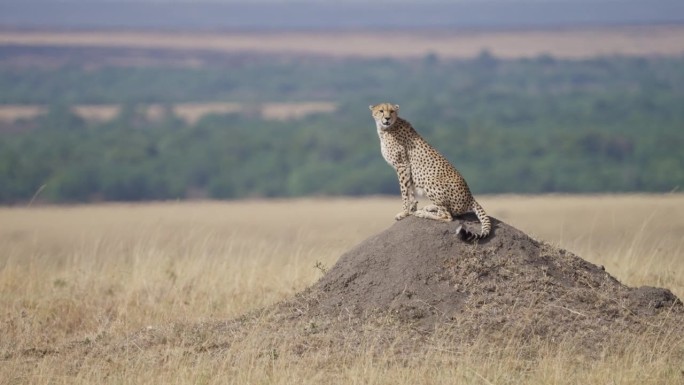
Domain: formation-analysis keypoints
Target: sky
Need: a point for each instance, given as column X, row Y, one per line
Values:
column 340, row 14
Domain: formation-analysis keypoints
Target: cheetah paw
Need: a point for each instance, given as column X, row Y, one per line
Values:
column 402, row 215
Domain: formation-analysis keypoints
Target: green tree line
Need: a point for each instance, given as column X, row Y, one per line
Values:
column 612, row 124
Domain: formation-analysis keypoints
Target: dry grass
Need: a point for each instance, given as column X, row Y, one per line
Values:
column 96, row 273
column 563, row 43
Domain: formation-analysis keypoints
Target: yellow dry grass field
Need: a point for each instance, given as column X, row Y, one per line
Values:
column 88, row 274
column 190, row 112
column 563, row 43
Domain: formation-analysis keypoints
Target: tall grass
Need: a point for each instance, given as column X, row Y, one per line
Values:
column 97, row 273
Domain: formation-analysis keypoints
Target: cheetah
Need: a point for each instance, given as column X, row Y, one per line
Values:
column 419, row 165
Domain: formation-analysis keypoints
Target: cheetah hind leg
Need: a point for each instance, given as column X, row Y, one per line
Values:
column 431, row 208
column 435, row 212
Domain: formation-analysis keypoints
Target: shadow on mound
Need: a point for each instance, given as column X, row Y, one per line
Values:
column 419, row 271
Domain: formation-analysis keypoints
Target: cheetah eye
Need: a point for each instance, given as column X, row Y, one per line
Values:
column 382, row 111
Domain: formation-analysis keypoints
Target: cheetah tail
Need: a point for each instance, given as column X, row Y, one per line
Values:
column 468, row 235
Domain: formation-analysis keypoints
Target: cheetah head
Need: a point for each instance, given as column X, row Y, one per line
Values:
column 385, row 114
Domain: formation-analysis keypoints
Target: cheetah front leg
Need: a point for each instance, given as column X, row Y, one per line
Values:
column 409, row 202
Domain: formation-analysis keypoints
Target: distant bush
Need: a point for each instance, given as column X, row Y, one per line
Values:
column 528, row 126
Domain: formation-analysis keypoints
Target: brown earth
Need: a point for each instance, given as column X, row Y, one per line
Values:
column 422, row 273
column 416, row 286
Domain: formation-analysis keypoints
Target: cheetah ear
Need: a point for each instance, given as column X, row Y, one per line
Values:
column 370, row 107
column 396, row 107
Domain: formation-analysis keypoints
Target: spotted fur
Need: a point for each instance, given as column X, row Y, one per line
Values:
column 419, row 165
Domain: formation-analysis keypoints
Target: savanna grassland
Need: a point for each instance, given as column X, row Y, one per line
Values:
column 567, row 43
column 77, row 281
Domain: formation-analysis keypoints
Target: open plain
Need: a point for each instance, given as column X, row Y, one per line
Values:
column 562, row 43
column 85, row 289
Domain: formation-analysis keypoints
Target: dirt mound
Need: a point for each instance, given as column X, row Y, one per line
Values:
column 419, row 272
column 416, row 287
